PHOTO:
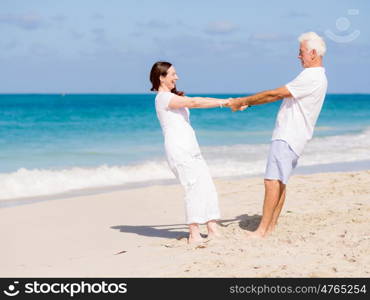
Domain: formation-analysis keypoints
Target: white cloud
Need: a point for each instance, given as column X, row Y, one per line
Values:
column 9, row 45
column 59, row 18
column 76, row 34
column 296, row 14
column 221, row 27
column 154, row 24
column 100, row 36
column 41, row 50
column 97, row 16
column 25, row 21
column 200, row 47
column 273, row 37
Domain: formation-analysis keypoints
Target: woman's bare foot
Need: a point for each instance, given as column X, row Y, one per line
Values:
column 194, row 234
column 213, row 231
column 195, row 239
column 213, row 235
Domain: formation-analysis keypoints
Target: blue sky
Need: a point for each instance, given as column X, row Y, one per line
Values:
column 96, row 46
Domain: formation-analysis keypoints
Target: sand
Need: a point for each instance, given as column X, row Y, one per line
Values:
column 323, row 231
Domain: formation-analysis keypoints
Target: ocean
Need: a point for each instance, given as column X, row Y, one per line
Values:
column 52, row 144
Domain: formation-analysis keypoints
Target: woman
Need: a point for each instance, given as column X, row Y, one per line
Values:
column 182, row 149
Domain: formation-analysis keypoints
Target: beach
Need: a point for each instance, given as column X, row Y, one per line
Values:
column 102, row 110
column 323, row 231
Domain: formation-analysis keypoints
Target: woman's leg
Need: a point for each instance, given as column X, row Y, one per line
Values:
column 212, row 229
column 194, row 234
column 201, row 201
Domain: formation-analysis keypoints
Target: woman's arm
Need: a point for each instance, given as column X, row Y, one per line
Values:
column 196, row 102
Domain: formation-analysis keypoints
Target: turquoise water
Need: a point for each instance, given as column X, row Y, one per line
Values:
column 55, row 134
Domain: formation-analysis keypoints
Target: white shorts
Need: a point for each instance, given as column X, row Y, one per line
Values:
column 281, row 161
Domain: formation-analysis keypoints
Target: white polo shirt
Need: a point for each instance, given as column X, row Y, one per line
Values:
column 298, row 115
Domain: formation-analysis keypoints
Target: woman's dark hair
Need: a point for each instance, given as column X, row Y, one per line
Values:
column 159, row 69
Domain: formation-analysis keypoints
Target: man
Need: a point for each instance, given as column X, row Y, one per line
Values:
column 294, row 126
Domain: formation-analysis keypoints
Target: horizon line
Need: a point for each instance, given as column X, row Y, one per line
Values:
column 153, row 93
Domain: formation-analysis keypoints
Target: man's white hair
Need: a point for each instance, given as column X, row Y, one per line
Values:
column 314, row 41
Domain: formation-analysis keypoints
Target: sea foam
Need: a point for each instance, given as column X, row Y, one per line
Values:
column 223, row 161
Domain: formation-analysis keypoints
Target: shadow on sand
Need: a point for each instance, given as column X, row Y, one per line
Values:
column 175, row 231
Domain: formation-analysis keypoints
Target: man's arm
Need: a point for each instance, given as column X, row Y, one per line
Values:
column 260, row 98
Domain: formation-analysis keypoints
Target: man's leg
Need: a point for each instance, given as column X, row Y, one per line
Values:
column 278, row 208
column 272, row 197
column 281, row 161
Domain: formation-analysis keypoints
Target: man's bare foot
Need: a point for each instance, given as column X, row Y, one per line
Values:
column 270, row 230
column 254, row 234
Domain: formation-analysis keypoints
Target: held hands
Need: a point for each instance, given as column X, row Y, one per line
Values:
column 231, row 103
column 244, row 107
column 237, row 105
column 225, row 103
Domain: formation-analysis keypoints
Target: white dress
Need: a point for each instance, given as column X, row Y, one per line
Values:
column 186, row 162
